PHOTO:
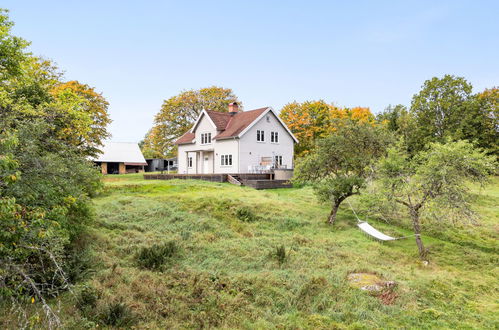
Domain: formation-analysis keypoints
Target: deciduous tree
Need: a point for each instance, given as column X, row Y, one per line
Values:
column 312, row 120
column 434, row 184
column 179, row 113
column 339, row 165
column 94, row 108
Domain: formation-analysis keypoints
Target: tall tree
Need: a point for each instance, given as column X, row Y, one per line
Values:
column 12, row 49
column 481, row 122
column 312, row 120
column 433, row 184
column 308, row 121
column 446, row 108
column 340, row 164
column 440, row 106
column 179, row 113
column 94, row 106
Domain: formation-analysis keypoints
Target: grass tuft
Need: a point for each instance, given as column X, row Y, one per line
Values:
column 157, row 255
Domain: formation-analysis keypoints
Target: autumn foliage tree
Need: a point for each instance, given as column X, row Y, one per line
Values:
column 179, row 113
column 92, row 121
column 312, row 120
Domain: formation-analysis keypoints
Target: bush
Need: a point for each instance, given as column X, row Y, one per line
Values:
column 245, row 214
column 156, row 256
column 87, row 298
column 117, row 314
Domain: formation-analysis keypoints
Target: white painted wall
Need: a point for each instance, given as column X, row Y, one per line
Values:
column 252, row 151
column 204, row 126
column 227, row 147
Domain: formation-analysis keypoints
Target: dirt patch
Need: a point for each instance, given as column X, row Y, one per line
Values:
column 375, row 285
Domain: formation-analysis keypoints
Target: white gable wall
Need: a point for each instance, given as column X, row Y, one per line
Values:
column 204, row 126
column 251, row 151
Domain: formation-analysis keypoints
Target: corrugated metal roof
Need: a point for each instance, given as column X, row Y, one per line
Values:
column 121, row 152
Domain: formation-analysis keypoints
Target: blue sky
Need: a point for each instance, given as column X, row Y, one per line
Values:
column 352, row 53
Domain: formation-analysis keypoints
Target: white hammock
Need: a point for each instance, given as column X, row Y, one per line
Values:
column 373, row 232
column 370, row 230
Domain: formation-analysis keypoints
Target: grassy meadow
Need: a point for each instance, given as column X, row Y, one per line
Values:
column 228, row 268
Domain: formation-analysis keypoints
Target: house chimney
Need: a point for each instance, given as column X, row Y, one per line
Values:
column 233, row 108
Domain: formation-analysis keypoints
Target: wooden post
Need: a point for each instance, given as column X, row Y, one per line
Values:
column 103, row 168
column 122, row 169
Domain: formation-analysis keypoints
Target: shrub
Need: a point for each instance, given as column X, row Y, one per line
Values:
column 117, row 314
column 155, row 256
column 245, row 214
column 87, row 298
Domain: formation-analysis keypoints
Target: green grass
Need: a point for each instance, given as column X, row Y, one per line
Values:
column 229, row 270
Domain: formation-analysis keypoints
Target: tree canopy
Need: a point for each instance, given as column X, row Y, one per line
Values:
column 446, row 108
column 179, row 113
column 312, row 120
column 434, row 184
column 341, row 162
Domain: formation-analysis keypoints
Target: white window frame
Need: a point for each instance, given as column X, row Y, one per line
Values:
column 226, row 160
column 260, row 136
column 205, row 138
column 278, row 160
column 274, row 137
column 189, row 162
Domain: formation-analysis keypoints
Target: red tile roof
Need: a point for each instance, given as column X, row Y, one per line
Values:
column 220, row 119
column 239, row 122
column 230, row 125
column 188, row 137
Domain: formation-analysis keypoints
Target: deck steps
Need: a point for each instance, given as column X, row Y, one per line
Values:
column 234, row 179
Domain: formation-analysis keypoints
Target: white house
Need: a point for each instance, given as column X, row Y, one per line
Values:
column 236, row 142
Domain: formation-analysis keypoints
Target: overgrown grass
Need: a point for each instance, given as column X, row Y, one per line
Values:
column 225, row 277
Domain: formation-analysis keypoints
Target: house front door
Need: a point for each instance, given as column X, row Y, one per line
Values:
column 206, row 164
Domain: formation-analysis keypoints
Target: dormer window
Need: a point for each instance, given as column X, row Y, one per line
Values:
column 205, row 138
column 260, row 136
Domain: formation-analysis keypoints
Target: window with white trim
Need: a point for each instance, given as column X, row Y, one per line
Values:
column 260, row 136
column 205, row 138
column 226, row 160
column 189, row 162
column 277, row 161
column 274, row 137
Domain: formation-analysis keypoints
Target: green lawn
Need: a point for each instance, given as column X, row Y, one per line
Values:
column 226, row 273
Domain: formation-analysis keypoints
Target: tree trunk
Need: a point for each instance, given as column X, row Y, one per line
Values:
column 417, row 230
column 332, row 216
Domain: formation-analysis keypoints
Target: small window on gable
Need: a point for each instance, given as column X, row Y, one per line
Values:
column 205, row 138
column 274, row 137
column 268, row 119
column 260, row 136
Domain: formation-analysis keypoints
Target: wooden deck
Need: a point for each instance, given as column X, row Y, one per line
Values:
column 257, row 181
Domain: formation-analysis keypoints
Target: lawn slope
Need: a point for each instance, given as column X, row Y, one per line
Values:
column 227, row 272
